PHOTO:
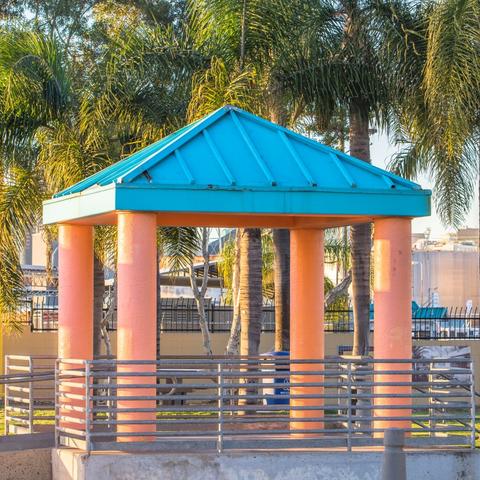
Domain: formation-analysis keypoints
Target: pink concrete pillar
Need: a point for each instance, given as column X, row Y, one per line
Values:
column 75, row 308
column 393, row 314
column 137, row 313
column 306, row 321
column 75, row 291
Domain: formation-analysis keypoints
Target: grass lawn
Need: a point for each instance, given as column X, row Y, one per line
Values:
column 40, row 413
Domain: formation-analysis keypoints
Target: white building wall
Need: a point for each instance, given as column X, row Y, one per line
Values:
column 452, row 277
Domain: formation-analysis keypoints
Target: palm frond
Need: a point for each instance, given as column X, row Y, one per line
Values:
column 179, row 245
column 220, row 85
column 20, row 206
column 34, row 83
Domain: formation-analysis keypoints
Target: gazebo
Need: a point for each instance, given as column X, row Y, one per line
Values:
column 234, row 169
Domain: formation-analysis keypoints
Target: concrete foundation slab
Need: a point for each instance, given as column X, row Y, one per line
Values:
column 76, row 465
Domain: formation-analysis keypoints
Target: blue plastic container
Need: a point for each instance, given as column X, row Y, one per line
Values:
column 277, row 382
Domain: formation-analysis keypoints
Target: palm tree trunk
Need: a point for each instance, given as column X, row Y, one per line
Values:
column 50, row 282
column 281, row 245
column 98, row 294
column 361, row 238
column 250, row 290
column 250, row 306
column 233, row 344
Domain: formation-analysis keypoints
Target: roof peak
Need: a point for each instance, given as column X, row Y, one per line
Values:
column 233, row 147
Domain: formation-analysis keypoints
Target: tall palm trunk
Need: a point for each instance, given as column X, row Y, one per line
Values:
column 361, row 237
column 233, row 344
column 98, row 294
column 250, row 290
column 281, row 247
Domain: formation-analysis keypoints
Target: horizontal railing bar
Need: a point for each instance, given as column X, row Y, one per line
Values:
column 329, row 418
column 251, row 443
column 413, row 406
column 212, row 420
column 263, row 374
column 18, row 399
column 71, row 431
column 455, row 406
column 225, row 408
column 16, row 388
column 72, row 408
column 228, row 419
column 13, row 408
column 63, row 384
column 261, row 385
column 69, row 396
column 272, row 359
column 213, row 397
column 235, row 433
column 69, row 419
column 25, row 421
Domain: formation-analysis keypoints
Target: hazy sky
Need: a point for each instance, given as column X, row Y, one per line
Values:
column 381, row 152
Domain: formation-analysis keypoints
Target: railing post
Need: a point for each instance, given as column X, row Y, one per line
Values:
column 472, row 407
column 57, row 409
column 394, row 462
column 349, row 407
column 212, row 318
column 30, row 396
column 31, row 314
column 87, row 407
column 431, row 401
column 5, row 404
column 220, row 408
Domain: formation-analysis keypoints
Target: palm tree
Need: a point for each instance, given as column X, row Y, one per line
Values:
column 438, row 115
column 229, row 19
column 57, row 130
column 256, row 35
column 342, row 65
column 34, row 92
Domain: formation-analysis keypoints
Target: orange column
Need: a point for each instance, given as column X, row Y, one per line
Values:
column 393, row 314
column 306, row 322
column 136, row 319
column 75, row 308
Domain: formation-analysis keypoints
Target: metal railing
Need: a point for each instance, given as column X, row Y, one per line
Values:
column 181, row 315
column 262, row 403
column 41, row 311
column 29, row 392
column 428, row 323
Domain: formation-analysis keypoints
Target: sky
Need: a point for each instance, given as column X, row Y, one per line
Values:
column 381, row 152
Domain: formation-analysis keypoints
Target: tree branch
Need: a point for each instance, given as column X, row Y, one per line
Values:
column 338, row 290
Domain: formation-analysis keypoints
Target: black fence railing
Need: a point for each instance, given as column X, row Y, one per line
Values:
column 181, row 315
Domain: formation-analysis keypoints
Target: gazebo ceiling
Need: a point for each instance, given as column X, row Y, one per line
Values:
column 232, row 163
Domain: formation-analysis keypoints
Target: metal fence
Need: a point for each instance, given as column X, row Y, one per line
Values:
column 253, row 403
column 181, row 315
column 29, row 392
column 40, row 311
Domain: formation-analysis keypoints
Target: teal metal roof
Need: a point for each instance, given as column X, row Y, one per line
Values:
column 234, row 162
